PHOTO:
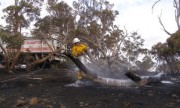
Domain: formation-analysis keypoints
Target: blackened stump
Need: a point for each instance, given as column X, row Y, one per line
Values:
column 133, row 77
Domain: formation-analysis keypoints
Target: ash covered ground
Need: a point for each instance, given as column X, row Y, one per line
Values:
column 47, row 89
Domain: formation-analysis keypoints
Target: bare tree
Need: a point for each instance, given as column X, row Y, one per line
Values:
column 176, row 4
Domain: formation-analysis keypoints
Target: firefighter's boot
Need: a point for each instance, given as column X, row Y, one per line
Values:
column 79, row 75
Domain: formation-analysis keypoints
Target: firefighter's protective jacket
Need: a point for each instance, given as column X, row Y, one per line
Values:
column 78, row 50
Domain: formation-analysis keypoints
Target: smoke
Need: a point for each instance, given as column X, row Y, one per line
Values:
column 103, row 71
column 110, row 77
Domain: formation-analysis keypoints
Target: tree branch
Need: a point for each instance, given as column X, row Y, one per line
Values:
column 155, row 4
column 160, row 21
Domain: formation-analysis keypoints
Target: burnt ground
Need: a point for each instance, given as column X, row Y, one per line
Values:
column 46, row 89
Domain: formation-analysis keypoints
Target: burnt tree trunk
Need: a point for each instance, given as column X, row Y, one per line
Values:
column 81, row 66
column 135, row 79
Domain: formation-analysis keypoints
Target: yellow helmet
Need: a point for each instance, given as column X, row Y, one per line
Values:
column 76, row 40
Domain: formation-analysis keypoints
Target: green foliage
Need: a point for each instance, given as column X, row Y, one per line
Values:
column 132, row 46
column 96, row 21
column 43, row 25
column 160, row 50
column 13, row 41
column 58, row 23
column 108, row 42
column 90, row 20
column 17, row 16
column 174, row 42
column 21, row 14
column 169, row 52
column 145, row 64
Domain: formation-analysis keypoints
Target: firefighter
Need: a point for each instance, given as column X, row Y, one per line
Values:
column 79, row 50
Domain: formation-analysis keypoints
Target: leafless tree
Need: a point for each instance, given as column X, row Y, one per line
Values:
column 176, row 4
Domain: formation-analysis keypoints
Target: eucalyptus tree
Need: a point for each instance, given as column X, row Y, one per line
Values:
column 146, row 64
column 173, row 43
column 21, row 14
column 108, row 43
column 169, row 51
column 162, row 54
column 57, row 25
column 17, row 16
column 93, row 22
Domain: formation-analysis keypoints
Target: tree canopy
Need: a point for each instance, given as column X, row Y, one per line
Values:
column 168, row 53
column 92, row 21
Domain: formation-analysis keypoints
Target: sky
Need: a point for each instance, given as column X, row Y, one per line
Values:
column 136, row 15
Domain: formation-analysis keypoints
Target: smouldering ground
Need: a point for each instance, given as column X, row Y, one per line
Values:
column 46, row 89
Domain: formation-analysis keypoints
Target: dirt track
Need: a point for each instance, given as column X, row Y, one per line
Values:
column 46, row 89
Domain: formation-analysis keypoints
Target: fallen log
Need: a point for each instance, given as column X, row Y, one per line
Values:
column 98, row 79
column 136, row 78
column 133, row 77
column 132, row 81
column 143, row 80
